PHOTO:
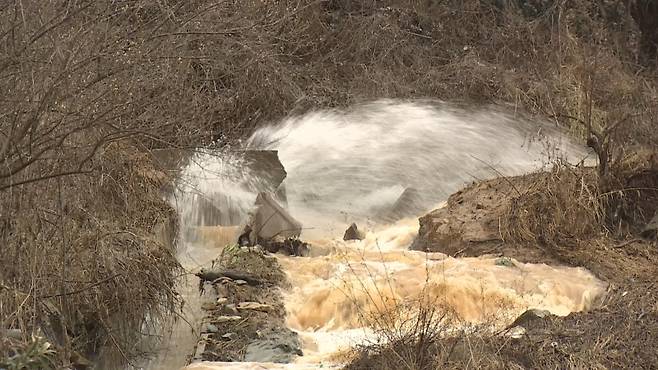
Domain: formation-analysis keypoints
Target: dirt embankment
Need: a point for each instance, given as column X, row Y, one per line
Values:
column 551, row 218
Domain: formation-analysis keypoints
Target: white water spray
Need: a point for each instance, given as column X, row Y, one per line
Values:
column 345, row 166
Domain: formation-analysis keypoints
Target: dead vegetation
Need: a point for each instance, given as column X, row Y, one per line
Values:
column 88, row 88
column 558, row 209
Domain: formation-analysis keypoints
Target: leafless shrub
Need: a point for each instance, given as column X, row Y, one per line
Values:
column 559, row 209
column 88, row 88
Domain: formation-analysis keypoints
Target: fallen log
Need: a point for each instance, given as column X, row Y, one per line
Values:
column 212, row 275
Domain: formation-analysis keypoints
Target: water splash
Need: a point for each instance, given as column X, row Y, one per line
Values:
column 349, row 164
column 346, row 166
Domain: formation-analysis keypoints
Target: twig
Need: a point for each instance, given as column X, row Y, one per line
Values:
column 627, row 243
column 83, row 289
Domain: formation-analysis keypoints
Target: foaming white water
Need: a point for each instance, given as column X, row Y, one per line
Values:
column 345, row 166
column 358, row 281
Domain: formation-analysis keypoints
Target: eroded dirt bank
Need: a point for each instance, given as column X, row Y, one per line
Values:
column 495, row 218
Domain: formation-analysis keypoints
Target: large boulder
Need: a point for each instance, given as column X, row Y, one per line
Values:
column 353, row 233
column 470, row 223
column 469, row 218
column 409, row 204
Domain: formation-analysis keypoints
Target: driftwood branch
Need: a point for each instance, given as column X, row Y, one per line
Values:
column 212, row 275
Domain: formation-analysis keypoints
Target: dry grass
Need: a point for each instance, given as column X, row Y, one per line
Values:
column 76, row 78
column 570, row 205
column 87, row 262
column 559, row 209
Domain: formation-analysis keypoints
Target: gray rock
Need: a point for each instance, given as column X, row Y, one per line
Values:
column 277, row 347
column 353, row 233
column 255, row 306
column 211, row 328
column 409, row 204
column 504, row 261
column 288, row 247
column 231, row 308
column 528, row 317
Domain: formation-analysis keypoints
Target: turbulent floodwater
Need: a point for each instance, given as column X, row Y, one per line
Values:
column 346, row 166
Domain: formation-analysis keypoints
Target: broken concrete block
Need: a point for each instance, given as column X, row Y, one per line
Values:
column 353, row 233
column 270, row 219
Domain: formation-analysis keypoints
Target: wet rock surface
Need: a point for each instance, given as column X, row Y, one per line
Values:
column 353, row 233
column 274, row 346
column 409, row 204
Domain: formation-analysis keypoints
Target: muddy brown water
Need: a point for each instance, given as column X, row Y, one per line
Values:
column 346, row 166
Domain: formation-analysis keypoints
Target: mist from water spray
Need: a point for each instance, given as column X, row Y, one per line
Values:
column 349, row 164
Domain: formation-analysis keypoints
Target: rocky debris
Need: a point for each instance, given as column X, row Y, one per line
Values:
column 504, row 261
column 255, row 306
column 651, row 229
column 288, row 247
column 274, row 347
column 516, row 332
column 409, row 204
column 230, row 336
column 353, row 233
column 244, row 239
column 223, row 319
column 249, row 318
column 273, row 228
column 231, row 308
column 528, row 317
